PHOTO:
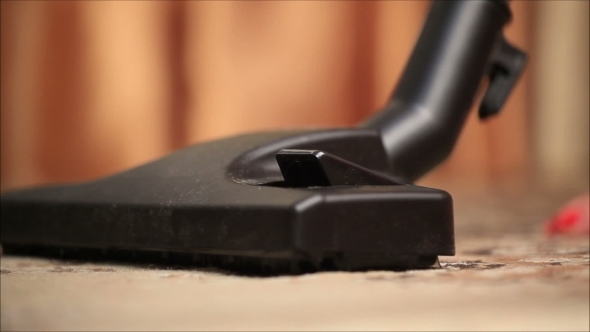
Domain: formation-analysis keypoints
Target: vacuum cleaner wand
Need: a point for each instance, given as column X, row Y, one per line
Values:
column 460, row 42
column 289, row 202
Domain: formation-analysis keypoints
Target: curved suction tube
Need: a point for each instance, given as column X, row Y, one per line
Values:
column 423, row 119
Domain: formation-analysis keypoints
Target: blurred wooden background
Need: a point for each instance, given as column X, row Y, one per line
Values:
column 94, row 87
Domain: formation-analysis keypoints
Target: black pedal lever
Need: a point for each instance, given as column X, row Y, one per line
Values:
column 507, row 65
column 314, row 168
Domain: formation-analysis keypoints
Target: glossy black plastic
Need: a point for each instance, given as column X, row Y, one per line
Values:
column 425, row 115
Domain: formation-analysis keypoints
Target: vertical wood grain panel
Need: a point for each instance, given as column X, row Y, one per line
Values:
column 361, row 82
column 176, row 23
column 63, row 149
column 128, row 111
column 263, row 65
column 561, row 91
column 21, row 33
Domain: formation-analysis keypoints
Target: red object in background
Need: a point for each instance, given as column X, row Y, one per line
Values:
column 572, row 219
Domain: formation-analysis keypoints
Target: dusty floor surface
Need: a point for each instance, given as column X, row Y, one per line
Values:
column 504, row 278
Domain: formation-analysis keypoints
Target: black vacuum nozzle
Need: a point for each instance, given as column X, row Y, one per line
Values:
column 290, row 202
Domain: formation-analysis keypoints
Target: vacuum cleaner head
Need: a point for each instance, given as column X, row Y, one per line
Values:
column 290, row 202
column 326, row 213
